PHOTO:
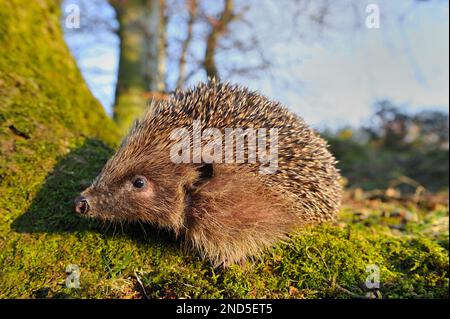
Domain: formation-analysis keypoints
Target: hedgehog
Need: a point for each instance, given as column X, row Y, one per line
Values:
column 226, row 209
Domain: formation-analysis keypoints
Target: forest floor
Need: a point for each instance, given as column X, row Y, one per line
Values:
column 405, row 240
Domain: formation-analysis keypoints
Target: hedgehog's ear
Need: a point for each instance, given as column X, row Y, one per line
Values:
column 206, row 171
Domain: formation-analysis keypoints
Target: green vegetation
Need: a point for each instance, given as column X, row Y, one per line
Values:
column 55, row 137
column 396, row 144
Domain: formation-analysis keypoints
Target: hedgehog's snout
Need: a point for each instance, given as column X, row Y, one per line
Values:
column 81, row 205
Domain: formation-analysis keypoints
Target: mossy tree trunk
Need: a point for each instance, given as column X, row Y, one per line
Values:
column 142, row 33
column 46, row 112
column 45, row 106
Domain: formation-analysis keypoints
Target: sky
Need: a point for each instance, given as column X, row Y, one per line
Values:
column 335, row 80
column 407, row 63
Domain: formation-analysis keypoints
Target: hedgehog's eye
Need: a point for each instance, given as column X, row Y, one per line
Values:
column 139, row 182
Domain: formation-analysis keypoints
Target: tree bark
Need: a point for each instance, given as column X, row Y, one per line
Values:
column 142, row 61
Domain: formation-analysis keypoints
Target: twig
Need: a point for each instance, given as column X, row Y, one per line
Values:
column 141, row 284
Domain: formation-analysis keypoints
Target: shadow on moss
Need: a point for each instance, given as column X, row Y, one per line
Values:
column 51, row 210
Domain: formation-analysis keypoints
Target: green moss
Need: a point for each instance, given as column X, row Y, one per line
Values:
column 130, row 105
column 55, row 138
column 325, row 261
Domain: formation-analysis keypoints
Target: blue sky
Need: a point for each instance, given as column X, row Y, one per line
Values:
column 334, row 80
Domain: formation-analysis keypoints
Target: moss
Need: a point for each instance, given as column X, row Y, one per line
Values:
column 55, row 138
column 130, row 105
column 326, row 261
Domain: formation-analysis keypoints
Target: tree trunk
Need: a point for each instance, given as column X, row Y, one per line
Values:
column 142, row 33
column 48, row 123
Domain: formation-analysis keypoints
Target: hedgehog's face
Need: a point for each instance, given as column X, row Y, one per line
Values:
column 135, row 193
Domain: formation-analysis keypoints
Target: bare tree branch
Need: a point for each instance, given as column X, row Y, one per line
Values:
column 218, row 28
